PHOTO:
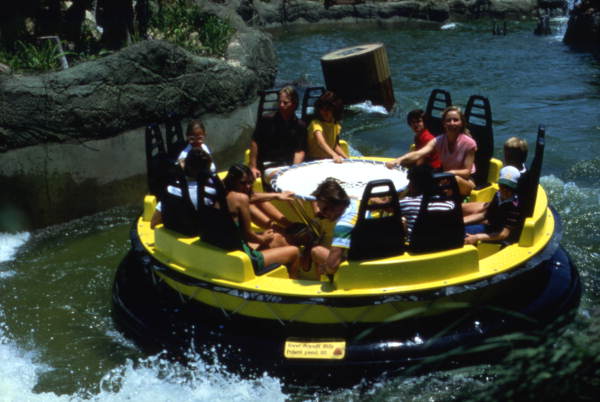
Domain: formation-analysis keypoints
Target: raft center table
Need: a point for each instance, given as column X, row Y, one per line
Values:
column 352, row 174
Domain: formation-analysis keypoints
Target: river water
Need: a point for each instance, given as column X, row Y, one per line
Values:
column 57, row 338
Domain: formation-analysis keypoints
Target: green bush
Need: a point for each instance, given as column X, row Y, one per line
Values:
column 189, row 27
column 29, row 57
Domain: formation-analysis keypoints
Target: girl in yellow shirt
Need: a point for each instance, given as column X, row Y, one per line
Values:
column 324, row 131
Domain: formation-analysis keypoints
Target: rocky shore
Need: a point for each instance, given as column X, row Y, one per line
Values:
column 71, row 142
column 293, row 13
column 583, row 31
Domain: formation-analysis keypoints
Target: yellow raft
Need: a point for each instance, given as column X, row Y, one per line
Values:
column 173, row 291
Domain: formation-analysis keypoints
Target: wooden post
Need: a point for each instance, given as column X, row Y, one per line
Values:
column 359, row 73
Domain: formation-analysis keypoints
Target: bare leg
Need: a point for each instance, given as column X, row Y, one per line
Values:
column 288, row 255
column 319, row 255
column 464, row 186
column 278, row 240
column 259, row 217
column 273, row 213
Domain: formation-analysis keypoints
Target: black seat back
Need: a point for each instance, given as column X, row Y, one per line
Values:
column 439, row 100
column 268, row 103
column 175, row 140
column 311, row 94
column 382, row 235
column 478, row 115
column 159, row 167
column 439, row 230
column 529, row 181
column 178, row 213
column 217, row 226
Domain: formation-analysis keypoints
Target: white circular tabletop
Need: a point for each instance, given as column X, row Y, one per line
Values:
column 352, row 174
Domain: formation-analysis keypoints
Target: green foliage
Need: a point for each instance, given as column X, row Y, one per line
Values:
column 189, row 27
column 561, row 367
column 29, row 57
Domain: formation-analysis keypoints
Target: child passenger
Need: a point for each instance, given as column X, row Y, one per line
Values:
column 263, row 214
column 196, row 136
column 323, row 133
column 420, row 182
column 197, row 163
column 422, row 137
column 515, row 153
column 335, row 205
column 263, row 248
column 499, row 219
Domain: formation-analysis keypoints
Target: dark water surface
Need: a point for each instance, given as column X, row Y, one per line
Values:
column 57, row 338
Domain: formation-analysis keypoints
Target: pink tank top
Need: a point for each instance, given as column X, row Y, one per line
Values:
column 455, row 160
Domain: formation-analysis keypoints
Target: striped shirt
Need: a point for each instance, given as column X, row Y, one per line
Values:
column 209, row 190
column 344, row 225
column 410, row 206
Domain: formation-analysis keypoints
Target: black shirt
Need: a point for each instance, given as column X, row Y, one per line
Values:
column 501, row 214
column 278, row 140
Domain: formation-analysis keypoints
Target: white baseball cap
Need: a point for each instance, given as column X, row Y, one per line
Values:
column 509, row 176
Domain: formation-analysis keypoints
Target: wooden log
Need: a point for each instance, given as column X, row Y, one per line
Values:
column 359, row 73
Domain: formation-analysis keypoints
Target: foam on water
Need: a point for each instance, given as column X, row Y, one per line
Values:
column 157, row 379
column 368, row 107
column 152, row 379
column 10, row 243
column 451, row 25
column 18, row 372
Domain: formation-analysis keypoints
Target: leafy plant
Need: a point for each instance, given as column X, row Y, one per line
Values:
column 189, row 27
column 30, row 57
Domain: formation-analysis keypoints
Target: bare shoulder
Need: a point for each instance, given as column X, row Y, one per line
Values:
column 238, row 198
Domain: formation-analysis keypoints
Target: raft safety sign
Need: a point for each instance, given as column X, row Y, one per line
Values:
column 315, row 349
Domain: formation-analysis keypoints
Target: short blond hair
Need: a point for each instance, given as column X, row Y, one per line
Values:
column 515, row 152
column 291, row 92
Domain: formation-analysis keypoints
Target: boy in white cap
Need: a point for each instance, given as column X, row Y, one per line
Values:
column 499, row 219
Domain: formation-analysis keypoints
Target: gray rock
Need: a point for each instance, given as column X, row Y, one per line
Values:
column 277, row 13
column 129, row 89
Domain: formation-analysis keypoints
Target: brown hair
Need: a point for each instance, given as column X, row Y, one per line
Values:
column 192, row 125
column 515, row 152
column 332, row 101
column 416, row 114
column 331, row 193
column 197, row 161
column 235, row 174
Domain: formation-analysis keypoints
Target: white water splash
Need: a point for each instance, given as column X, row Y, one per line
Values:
column 10, row 243
column 18, row 373
column 451, row 25
column 156, row 379
column 368, row 107
column 153, row 379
